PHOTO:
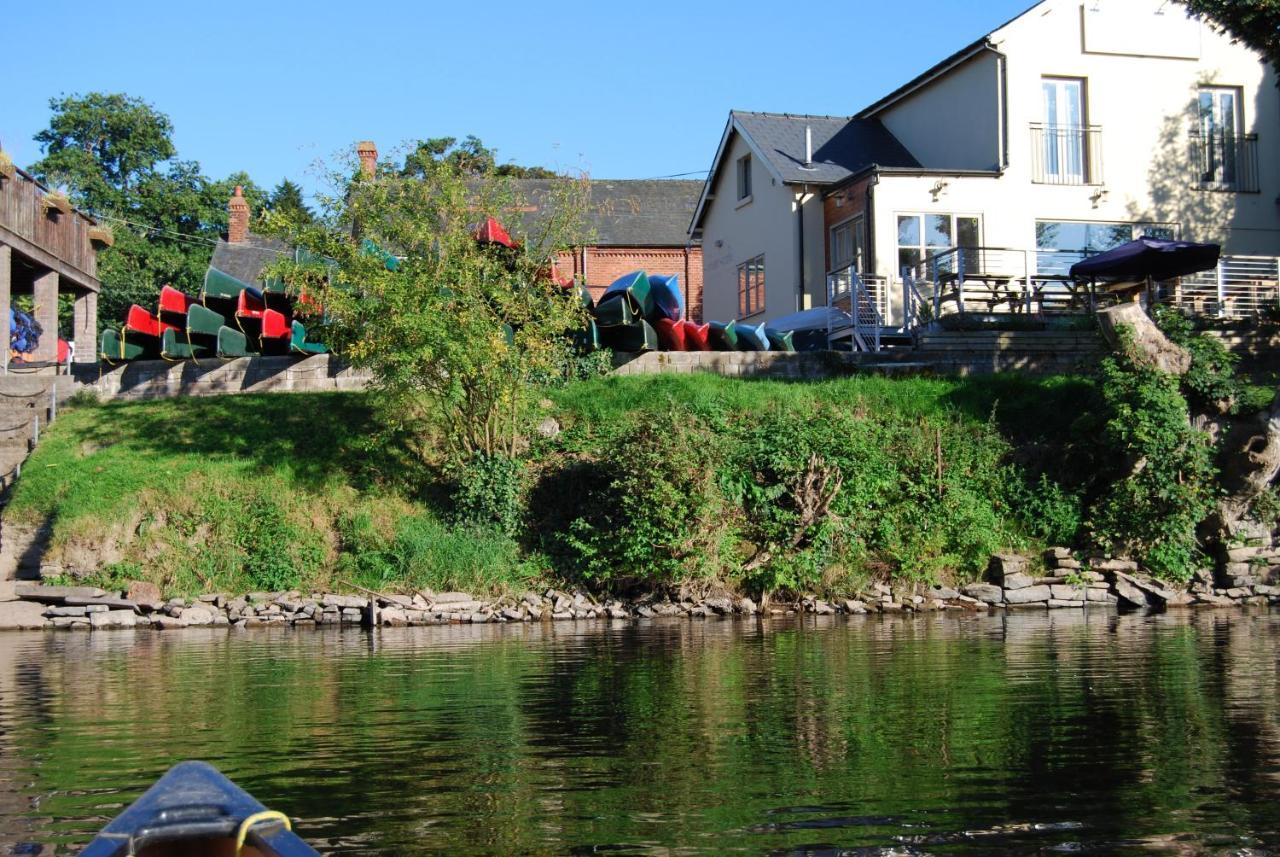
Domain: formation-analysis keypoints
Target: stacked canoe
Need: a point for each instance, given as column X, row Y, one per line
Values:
column 228, row 319
column 643, row 312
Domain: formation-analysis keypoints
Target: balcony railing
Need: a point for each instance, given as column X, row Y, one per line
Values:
column 1226, row 161
column 864, row 300
column 1240, row 287
column 1066, row 155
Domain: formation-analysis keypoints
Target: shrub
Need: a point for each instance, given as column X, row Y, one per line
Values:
column 487, row 493
column 1210, row 383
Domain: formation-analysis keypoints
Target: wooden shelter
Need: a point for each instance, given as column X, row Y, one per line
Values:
column 47, row 248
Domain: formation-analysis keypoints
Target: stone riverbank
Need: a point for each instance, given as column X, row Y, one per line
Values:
column 1062, row 581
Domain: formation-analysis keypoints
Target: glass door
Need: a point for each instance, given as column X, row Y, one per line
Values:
column 1064, row 129
column 1219, row 110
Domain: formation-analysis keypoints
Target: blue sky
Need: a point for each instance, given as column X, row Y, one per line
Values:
column 618, row 90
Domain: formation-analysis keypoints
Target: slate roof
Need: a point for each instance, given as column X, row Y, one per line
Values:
column 245, row 260
column 841, row 146
column 630, row 212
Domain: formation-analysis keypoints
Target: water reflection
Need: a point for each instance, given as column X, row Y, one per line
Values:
column 1075, row 730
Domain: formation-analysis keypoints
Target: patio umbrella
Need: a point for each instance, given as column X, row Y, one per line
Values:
column 1148, row 259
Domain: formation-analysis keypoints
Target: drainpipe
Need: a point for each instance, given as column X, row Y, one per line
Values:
column 800, row 251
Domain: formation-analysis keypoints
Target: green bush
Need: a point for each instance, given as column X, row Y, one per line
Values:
column 1162, row 479
column 1210, row 383
column 487, row 493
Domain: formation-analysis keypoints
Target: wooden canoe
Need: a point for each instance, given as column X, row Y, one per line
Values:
column 670, row 334
column 696, row 336
column 298, row 341
column 639, row 336
column 723, row 336
column 195, row 811
column 668, row 300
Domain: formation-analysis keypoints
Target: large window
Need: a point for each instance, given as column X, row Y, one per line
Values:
column 1219, row 136
column 923, row 235
column 1064, row 130
column 744, row 177
column 751, row 287
column 1062, row 243
column 847, row 242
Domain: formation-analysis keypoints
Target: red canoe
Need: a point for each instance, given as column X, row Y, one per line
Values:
column 250, row 304
column 140, row 321
column 275, row 325
column 491, row 232
column 174, row 305
column 695, row 336
column 670, row 334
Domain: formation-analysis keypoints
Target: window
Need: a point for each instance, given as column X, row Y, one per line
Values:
column 1062, row 243
column 847, row 242
column 923, row 235
column 744, row 177
column 1064, row 130
column 751, row 287
column 1219, row 136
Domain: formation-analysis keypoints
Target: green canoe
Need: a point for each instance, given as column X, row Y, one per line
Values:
column 298, row 342
column 174, row 346
column 587, row 339
column 780, row 340
column 202, row 321
column 232, row 343
column 634, row 337
column 221, row 285
column 615, row 311
column 110, row 348
column 724, row 336
column 635, row 286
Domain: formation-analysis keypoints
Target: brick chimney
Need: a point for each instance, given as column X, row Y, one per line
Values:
column 368, row 154
column 237, row 217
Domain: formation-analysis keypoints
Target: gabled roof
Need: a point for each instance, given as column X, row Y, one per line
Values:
column 246, row 260
column 629, row 212
column 841, row 147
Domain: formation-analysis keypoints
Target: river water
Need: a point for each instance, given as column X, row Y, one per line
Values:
column 1026, row 733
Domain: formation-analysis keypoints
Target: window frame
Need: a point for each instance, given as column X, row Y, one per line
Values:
column 857, row 226
column 744, row 189
column 923, row 248
column 1062, row 174
column 1075, row 254
column 1237, row 137
column 751, row 296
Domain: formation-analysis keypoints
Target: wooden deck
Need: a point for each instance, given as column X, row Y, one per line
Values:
column 57, row 241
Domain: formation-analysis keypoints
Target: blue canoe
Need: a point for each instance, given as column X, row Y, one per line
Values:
column 752, row 337
column 668, row 301
column 636, row 287
column 195, row 811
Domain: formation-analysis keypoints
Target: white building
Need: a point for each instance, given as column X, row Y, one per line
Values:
column 1070, row 129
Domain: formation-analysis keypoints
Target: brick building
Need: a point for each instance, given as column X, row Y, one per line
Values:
column 637, row 224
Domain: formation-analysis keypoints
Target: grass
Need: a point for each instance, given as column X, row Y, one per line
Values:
column 248, row 492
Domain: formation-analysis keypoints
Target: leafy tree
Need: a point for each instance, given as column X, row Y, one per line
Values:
column 115, row 154
column 1254, row 22
column 470, row 156
column 287, row 199
column 457, row 335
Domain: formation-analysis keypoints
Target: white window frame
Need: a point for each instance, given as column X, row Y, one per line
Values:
column 1237, row 134
column 925, row 250
column 857, row 226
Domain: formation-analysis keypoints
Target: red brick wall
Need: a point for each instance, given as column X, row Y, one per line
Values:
column 839, row 207
column 606, row 264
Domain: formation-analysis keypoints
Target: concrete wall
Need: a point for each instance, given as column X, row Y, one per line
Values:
column 955, row 123
column 150, row 379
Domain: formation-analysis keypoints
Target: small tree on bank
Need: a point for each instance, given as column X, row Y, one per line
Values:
column 456, row 334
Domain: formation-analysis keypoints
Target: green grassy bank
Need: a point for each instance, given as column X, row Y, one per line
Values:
column 660, row 480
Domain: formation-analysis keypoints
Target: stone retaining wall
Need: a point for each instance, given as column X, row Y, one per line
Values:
column 151, row 379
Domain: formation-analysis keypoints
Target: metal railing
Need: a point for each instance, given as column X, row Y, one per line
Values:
column 1066, row 155
column 865, row 300
column 1226, row 161
column 1239, row 287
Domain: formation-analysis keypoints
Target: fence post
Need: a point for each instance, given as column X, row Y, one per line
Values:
column 1222, row 293
column 960, row 279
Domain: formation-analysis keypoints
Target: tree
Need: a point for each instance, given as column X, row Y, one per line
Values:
column 115, row 155
column 457, row 334
column 1256, row 23
column 286, row 199
column 470, row 157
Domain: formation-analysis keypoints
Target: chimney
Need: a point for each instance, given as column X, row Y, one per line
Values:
column 808, row 146
column 368, row 154
column 237, row 217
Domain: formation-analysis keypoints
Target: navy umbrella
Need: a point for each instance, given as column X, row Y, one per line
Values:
column 1147, row 257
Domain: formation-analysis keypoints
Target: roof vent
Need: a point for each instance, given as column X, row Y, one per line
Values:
column 808, row 148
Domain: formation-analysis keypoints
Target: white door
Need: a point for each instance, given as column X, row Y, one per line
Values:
column 1064, row 130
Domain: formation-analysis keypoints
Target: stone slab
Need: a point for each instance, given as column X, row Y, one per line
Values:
column 55, row 594
column 20, row 615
